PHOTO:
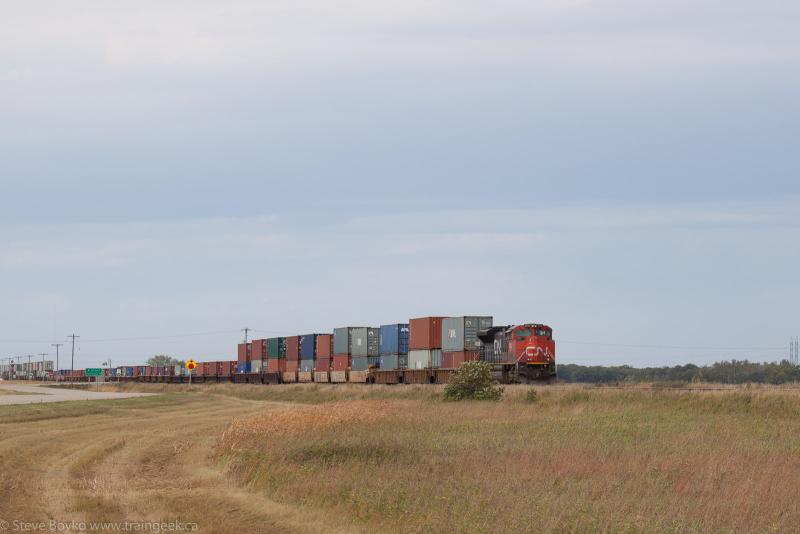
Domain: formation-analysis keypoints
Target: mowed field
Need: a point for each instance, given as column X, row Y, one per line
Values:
column 322, row 458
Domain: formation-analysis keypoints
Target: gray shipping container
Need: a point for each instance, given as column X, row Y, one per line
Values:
column 306, row 366
column 373, row 341
column 393, row 361
column 461, row 333
column 359, row 363
column 344, row 340
column 360, row 341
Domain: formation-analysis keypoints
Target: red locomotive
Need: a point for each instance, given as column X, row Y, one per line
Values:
column 523, row 353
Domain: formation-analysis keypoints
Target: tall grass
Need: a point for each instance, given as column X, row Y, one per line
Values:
column 577, row 459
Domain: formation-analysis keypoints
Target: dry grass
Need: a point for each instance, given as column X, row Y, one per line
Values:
column 578, row 459
column 315, row 458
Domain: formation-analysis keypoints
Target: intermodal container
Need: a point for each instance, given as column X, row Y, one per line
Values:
column 292, row 365
column 293, row 348
column 359, row 363
column 225, row 368
column 360, row 341
column 424, row 359
column 276, row 365
column 256, row 366
column 394, row 339
column 341, row 363
column 373, row 341
column 394, row 361
column 244, row 352
column 425, row 333
column 453, row 360
column 461, row 333
column 258, row 350
column 307, row 366
column 276, row 347
column 323, row 364
column 241, row 368
column 324, row 346
column 344, row 341
column 308, row 347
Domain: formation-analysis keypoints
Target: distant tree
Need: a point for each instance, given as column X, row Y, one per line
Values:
column 162, row 360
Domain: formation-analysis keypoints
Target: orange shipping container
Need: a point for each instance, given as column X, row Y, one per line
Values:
column 276, row 365
column 324, row 346
column 341, row 363
column 425, row 333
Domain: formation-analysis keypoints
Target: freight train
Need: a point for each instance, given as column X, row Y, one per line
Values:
column 425, row 350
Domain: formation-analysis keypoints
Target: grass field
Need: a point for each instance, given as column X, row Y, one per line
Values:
column 321, row 458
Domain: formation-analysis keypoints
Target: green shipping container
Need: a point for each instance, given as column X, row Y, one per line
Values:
column 276, row 347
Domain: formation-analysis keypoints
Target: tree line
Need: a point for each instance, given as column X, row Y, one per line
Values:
column 725, row 372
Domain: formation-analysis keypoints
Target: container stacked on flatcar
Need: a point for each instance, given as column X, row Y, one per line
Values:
column 323, row 356
column 244, row 355
column 393, row 346
column 258, row 356
column 460, row 342
column 425, row 343
column 276, row 354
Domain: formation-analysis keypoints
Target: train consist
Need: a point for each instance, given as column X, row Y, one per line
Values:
column 424, row 350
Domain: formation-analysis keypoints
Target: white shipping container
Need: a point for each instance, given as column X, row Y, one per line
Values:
column 256, row 366
column 424, row 359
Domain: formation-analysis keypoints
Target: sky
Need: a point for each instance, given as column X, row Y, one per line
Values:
column 624, row 171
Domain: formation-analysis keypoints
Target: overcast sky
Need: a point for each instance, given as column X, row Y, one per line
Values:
column 625, row 171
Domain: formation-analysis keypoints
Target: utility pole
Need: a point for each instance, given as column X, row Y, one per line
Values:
column 56, row 345
column 29, row 367
column 43, row 354
column 246, row 330
column 73, row 336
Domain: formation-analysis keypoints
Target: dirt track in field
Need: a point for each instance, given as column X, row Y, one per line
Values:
column 138, row 460
column 12, row 393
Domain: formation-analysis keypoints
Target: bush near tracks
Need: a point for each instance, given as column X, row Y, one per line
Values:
column 473, row 381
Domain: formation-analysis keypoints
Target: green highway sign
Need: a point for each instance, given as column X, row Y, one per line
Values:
column 94, row 372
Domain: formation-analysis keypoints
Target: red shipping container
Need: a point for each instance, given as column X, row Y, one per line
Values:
column 425, row 333
column 276, row 365
column 293, row 348
column 258, row 350
column 323, row 364
column 244, row 352
column 292, row 365
column 453, row 360
column 324, row 346
column 341, row 363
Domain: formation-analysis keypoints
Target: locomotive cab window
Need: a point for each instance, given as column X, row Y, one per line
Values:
column 523, row 333
column 543, row 333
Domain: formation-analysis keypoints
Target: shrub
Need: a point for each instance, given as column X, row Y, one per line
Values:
column 531, row 396
column 473, row 380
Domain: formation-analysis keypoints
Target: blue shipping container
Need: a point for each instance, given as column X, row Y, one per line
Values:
column 394, row 338
column 243, row 367
column 308, row 346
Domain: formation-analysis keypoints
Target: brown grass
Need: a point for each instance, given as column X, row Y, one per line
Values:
column 360, row 458
column 578, row 459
